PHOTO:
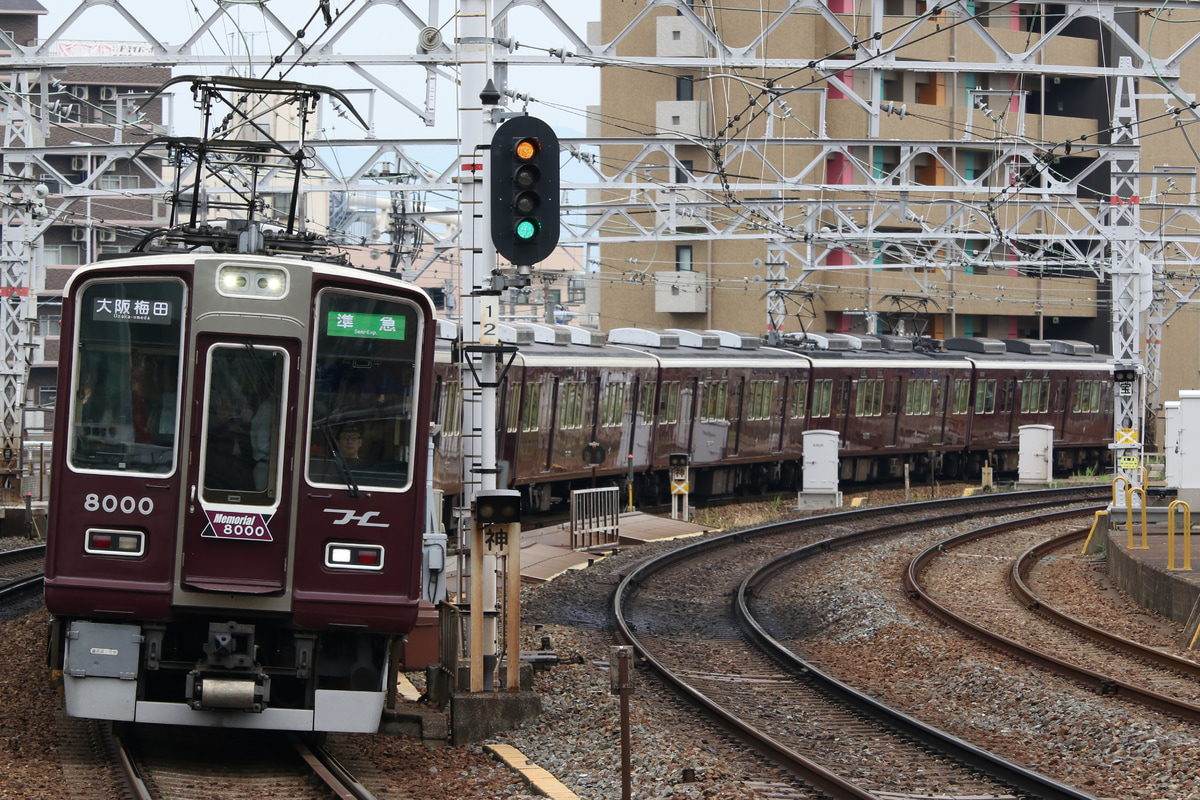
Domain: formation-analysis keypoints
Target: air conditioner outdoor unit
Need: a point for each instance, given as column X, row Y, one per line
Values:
column 108, row 236
column 80, row 91
column 78, row 234
column 108, row 93
column 79, row 163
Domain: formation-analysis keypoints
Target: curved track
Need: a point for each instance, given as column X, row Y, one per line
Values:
column 679, row 611
column 1034, row 631
column 21, row 570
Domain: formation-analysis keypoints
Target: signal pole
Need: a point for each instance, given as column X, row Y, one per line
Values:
column 480, row 314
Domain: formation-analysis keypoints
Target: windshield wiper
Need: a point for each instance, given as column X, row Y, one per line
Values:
column 343, row 467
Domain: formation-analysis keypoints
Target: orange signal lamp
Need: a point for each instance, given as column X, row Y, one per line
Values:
column 526, row 149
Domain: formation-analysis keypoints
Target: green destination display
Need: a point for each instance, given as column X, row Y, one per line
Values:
column 365, row 326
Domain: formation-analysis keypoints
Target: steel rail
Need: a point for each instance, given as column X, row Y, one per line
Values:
column 335, row 776
column 127, row 768
column 802, row 767
column 995, row 767
column 1016, row 578
column 1104, row 685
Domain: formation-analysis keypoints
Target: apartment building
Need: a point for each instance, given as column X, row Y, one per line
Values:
column 756, row 176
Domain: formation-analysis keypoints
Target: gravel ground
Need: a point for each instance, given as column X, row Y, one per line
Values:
column 577, row 738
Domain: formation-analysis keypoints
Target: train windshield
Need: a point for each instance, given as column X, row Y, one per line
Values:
column 364, row 365
column 246, row 395
column 125, row 400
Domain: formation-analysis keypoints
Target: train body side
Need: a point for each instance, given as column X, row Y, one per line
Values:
column 575, row 416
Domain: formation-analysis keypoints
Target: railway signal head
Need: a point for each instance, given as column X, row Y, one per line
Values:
column 1124, row 374
column 525, row 182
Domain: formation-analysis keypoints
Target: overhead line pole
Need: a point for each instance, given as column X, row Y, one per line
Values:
column 1131, row 280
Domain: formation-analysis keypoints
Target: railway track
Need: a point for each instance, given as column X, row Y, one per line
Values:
column 20, row 575
column 1020, row 622
column 175, row 763
column 681, row 611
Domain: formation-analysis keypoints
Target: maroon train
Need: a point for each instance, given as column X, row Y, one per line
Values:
column 240, row 487
column 739, row 409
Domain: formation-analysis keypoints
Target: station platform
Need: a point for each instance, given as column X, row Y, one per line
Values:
column 1145, row 573
column 547, row 553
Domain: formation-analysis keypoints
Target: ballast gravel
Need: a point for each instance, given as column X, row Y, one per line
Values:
column 856, row 623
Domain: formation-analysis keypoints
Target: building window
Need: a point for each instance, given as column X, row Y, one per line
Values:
column 685, row 171
column 576, row 289
column 60, row 255
column 116, row 183
column 684, row 88
column 46, row 396
column 683, row 258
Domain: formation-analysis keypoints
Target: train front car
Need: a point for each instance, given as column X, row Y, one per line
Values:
column 239, row 490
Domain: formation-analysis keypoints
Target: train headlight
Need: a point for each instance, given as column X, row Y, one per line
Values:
column 234, row 280
column 342, row 555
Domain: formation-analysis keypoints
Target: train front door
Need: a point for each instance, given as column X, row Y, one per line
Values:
column 237, row 517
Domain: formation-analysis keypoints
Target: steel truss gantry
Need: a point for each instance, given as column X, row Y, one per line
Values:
column 1017, row 210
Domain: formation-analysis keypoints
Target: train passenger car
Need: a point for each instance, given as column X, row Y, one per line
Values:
column 573, row 415
column 240, row 490
column 891, row 408
column 724, row 401
column 1020, row 383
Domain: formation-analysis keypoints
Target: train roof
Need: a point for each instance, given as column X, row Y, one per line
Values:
column 176, row 260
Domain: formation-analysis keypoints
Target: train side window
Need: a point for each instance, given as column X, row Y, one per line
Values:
column 1099, row 394
column 514, row 408
column 1006, row 396
column 125, row 403
column 533, row 401
column 647, row 405
column 613, row 411
column 452, row 423
column 668, row 409
column 860, row 397
column 1060, row 395
column 990, row 407
column 893, row 397
column 436, row 403
column 799, row 399
column 962, row 390
column 1044, row 399
column 1077, row 396
column 822, row 397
